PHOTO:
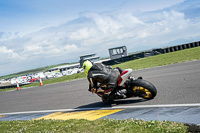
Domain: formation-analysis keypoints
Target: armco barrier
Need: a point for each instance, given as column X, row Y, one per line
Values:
column 152, row 53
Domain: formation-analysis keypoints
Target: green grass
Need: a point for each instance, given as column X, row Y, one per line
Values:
column 163, row 59
column 97, row 126
column 7, row 89
column 148, row 62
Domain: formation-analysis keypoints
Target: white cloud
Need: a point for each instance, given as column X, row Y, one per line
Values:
column 174, row 20
column 8, row 54
column 70, row 48
column 5, row 36
column 128, row 19
column 83, row 33
column 105, row 24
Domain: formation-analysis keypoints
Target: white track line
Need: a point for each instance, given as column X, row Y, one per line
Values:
column 101, row 108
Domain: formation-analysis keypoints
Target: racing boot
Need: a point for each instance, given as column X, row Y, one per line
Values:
column 121, row 93
column 106, row 95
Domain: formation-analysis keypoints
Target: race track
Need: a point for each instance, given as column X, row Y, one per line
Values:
column 176, row 84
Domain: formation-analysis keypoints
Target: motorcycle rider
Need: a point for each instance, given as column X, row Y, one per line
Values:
column 102, row 76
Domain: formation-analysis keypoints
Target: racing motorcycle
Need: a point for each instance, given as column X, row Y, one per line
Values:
column 128, row 86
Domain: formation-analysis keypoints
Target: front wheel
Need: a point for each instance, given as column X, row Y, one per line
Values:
column 143, row 88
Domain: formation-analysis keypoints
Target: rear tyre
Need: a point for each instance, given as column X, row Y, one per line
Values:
column 143, row 88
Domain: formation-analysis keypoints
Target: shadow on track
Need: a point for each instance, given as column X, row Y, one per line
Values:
column 111, row 104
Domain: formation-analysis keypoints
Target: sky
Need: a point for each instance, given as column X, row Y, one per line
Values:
column 37, row 33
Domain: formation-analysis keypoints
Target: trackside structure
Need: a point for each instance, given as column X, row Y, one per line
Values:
column 151, row 53
column 64, row 67
column 118, row 52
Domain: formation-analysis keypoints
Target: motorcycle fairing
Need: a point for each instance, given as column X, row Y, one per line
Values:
column 124, row 76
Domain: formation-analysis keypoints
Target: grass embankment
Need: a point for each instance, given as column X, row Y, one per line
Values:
column 148, row 62
column 97, row 126
column 163, row 59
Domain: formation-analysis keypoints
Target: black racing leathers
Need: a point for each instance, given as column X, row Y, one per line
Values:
column 101, row 75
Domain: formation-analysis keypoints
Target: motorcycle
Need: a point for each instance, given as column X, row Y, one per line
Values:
column 128, row 86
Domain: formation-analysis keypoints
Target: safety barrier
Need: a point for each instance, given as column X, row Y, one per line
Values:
column 152, row 53
column 181, row 47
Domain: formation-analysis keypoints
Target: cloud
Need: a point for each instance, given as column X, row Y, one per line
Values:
column 71, row 48
column 81, row 34
column 8, row 54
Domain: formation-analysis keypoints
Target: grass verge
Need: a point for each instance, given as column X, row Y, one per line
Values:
column 97, row 126
column 163, row 59
column 148, row 62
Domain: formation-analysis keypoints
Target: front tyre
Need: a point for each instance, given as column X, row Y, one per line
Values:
column 143, row 89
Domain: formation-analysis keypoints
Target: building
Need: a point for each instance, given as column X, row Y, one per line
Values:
column 64, row 67
column 118, row 52
column 90, row 57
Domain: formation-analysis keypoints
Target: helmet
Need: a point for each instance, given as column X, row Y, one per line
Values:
column 86, row 66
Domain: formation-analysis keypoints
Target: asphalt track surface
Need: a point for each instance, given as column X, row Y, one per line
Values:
column 176, row 84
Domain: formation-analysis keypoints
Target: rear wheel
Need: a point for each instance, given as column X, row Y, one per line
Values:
column 143, row 89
